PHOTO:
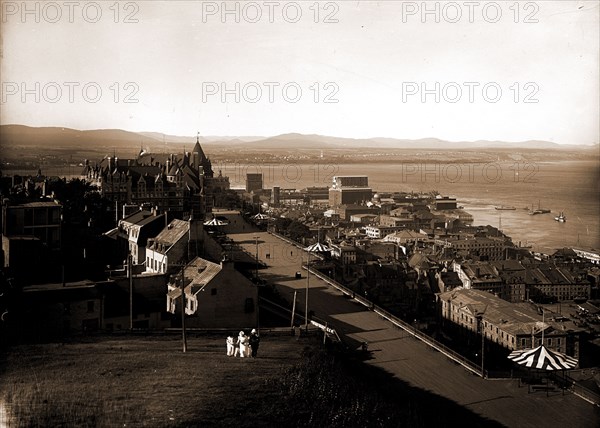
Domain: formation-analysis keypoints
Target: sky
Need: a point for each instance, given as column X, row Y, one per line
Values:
column 459, row 71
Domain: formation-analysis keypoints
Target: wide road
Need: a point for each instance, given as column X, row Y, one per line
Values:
column 400, row 354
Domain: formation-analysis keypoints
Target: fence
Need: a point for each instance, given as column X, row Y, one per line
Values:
column 410, row 329
column 573, row 386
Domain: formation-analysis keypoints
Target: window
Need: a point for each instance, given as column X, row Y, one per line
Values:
column 213, row 291
column 90, row 306
column 249, row 305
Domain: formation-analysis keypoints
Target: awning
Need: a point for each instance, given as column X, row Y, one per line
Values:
column 317, row 248
column 543, row 358
column 215, row 222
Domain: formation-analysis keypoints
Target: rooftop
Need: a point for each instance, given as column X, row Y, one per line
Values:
column 48, row 204
column 198, row 274
column 513, row 318
column 172, row 233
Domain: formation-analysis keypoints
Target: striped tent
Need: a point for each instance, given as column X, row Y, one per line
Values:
column 317, row 248
column 261, row 216
column 543, row 358
column 215, row 222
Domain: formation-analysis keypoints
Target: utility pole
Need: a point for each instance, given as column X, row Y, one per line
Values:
column 183, row 336
column 293, row 310
column 482, row 331
column 130, row 275
column 256, row 270
column 307, row 287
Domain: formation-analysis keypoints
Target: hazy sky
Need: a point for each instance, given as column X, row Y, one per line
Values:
column 374, row 58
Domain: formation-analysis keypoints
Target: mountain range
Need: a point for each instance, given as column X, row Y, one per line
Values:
column 21, row 135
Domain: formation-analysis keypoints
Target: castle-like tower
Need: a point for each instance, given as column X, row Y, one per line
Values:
column 181, row 187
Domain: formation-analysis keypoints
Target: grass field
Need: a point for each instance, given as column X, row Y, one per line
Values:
column 139, row 382
column 148, row 381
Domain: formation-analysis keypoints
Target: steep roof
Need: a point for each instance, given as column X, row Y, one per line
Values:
column 170, row 235
column 197, row 151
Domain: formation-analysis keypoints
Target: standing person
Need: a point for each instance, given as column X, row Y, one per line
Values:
column 230, row 346
column 254, row 342
column 242, row 343
column 247, row 346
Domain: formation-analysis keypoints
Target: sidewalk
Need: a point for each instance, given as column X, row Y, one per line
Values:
column 406, row 358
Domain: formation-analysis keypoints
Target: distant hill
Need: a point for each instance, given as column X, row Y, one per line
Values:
column 204, row 139
column 324, row 142
column 20, row 135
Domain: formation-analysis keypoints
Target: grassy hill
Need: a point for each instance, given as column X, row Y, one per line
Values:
column 148, row 381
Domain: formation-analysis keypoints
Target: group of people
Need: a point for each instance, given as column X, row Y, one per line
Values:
column 244, row 346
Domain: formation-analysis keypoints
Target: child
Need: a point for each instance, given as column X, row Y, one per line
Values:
column 230, row 347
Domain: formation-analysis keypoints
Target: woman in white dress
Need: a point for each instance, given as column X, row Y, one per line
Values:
column 242, row 342
column 247, row 348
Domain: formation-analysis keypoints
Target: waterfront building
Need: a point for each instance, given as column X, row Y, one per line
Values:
column 445, row 203
column 276, row 195
column 254, row 182
column 349, row 190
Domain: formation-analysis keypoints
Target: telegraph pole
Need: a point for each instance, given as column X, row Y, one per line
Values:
column 130, row 274
column 256, row 270
column 482, row 350
column 183, row 336
column 481, row 329
column 307, row 287
column 293, row 310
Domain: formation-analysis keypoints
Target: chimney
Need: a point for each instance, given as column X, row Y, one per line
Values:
column 226, row 262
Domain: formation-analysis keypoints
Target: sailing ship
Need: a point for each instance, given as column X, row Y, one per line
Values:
column 538, row 210
column 561, row 217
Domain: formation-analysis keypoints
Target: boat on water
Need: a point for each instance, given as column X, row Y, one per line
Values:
column 505, row 208
column 561, row 217
column 538, row 210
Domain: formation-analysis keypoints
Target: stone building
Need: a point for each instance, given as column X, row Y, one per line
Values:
column 180, row 186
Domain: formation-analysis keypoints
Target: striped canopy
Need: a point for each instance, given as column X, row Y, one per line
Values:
column 543, row 358
column 215, row 222
column 261, row 216
column 317, row 248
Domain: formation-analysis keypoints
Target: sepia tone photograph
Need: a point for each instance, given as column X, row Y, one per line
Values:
column 300, row 213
